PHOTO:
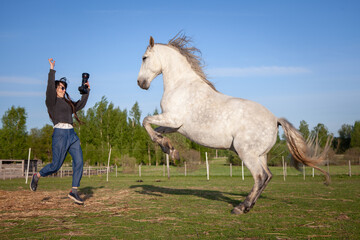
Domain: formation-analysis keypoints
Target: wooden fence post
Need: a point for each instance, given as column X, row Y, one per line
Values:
column 28, row 166
column 107, row 170
column 207, row 167
column 168, row 165
column 283, row 163
column 185, row 168
column 349, row 168
column 242, row 169
column 304, row 171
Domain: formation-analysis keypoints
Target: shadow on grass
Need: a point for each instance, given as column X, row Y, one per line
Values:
column 207, row 194
column 89, row 192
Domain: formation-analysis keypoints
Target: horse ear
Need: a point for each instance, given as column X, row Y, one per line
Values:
column 151, row 42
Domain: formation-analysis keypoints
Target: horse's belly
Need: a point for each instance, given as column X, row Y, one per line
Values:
column 209, row 137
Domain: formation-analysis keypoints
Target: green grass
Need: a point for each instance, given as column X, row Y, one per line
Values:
column 181, row 208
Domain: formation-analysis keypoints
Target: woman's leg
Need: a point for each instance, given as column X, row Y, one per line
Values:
column 77, row 161
column 59, row 152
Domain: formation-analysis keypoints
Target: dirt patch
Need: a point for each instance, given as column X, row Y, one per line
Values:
column 343, row 217
column 26, row 204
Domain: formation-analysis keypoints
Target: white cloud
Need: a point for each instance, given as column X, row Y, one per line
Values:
column 21, row 80
column 256, row 71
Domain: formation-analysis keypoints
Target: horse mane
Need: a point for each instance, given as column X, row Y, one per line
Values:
column 181, row 43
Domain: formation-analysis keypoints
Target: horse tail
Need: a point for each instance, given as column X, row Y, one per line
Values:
column 305, row 152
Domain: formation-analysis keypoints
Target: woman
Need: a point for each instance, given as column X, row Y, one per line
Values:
column 64, row 139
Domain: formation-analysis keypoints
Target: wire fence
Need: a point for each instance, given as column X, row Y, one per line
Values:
column 215, row 168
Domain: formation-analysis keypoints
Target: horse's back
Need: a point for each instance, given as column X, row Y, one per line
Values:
column 250, row 117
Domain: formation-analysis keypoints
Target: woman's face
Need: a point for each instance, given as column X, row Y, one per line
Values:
column 60, row 90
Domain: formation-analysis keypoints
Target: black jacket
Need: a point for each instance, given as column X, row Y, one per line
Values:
column 58, row 108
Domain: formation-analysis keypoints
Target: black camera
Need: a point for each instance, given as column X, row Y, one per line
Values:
column 83, row 89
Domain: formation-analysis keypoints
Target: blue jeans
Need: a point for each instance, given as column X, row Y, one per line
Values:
column 64, row 141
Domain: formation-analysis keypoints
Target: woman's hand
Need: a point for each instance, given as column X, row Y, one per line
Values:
column 52, row 63
column 88, row 84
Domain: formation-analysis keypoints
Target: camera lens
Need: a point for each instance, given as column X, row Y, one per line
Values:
column 85, row 75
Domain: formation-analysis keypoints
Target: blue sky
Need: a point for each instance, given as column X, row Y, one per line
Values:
column 301, row 59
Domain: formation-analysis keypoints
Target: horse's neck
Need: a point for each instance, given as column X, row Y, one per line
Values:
column 176, row 70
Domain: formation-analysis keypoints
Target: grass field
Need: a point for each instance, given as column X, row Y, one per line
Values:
column 153, row 207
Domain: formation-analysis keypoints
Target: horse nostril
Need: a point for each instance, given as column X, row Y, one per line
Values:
column 141, row 83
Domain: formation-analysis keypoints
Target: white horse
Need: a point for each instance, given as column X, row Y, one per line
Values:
column 193, row 107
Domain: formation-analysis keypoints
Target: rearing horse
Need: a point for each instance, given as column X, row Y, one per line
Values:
column 193, row 107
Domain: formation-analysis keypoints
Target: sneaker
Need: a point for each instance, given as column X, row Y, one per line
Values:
column 34, row 182
column 75, row 197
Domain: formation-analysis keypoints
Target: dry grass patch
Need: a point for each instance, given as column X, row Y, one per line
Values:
column 15, row 205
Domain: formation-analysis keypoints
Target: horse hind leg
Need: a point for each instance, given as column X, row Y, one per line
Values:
column 261, row 178
column 268, row 174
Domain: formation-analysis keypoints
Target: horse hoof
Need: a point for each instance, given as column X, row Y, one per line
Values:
column 237, row 211
column 175, row 154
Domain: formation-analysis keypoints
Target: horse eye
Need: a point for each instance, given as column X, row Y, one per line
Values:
column 144, row 58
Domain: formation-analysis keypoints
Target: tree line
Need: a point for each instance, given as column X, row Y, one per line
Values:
column 107, row 126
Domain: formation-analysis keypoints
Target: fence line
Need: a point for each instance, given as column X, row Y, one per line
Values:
column 235, row 171
column 8, row 172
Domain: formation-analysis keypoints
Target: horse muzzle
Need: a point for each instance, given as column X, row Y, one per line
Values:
column 143, row 84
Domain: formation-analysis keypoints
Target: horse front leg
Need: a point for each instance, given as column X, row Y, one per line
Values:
column 167, row 125
column 165, row 130
column 166, row 145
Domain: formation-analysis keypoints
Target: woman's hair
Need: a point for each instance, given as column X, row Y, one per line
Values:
column 68, row 100
column 63, row 81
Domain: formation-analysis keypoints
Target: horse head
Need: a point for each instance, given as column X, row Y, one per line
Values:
column 150, row 67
